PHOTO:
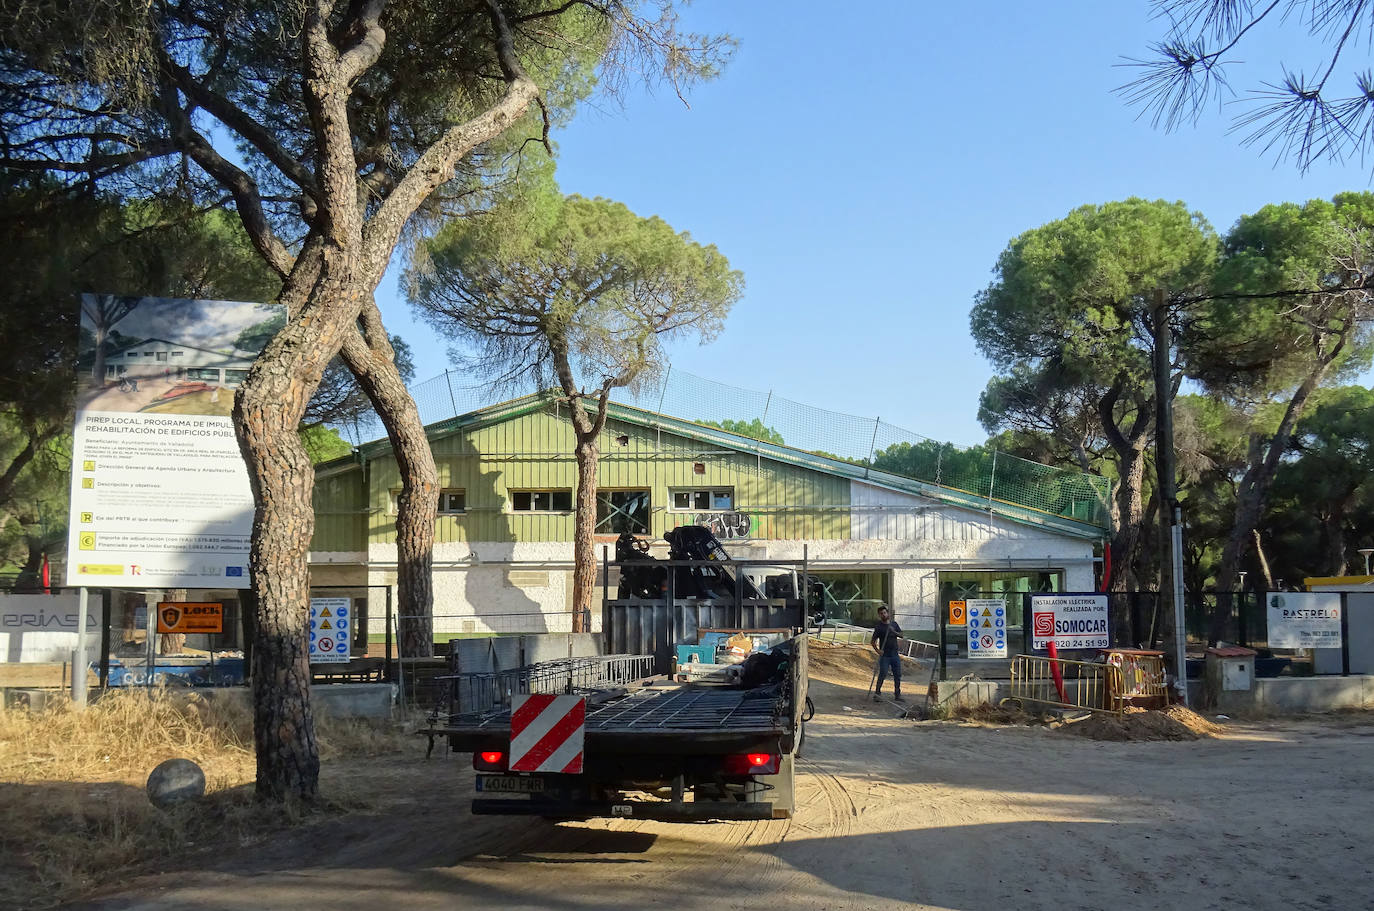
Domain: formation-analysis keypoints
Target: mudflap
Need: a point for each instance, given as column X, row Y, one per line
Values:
column 777, row 791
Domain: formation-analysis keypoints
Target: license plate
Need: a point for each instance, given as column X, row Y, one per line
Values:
column 509, row 784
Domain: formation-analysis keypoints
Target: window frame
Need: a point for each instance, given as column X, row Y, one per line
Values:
column 553, row 508
column 459, row 491
column 691, row 492
column 648, row 510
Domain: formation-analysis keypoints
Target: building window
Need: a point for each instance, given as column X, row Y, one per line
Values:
column 234, row 377
column 541, row 500
column 714, row 499
column 202, row 373
column 453, row 501
column 620, row 511
column 161, row 356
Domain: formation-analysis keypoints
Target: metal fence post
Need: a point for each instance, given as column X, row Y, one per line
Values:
column 386, row 662
column 453, row 402
column 992, row 478
column 871, row 444
column 1345, row 637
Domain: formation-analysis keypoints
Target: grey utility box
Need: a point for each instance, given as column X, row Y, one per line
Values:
column 1230, row 677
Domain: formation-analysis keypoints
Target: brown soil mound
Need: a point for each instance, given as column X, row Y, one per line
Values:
column 987, row 713
column 846, row 665
column 1172, row 723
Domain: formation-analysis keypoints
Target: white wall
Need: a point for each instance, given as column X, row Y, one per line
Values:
column 505, row 587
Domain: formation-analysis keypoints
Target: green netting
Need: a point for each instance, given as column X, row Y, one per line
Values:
column 978, row 472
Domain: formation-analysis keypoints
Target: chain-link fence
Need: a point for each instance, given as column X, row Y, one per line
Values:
column 982, row 473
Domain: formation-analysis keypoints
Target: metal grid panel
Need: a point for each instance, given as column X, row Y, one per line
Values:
column 684, row 709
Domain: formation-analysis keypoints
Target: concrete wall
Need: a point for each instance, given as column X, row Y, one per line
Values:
column 340, row 700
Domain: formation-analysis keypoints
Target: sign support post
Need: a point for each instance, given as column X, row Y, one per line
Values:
column 79, row 656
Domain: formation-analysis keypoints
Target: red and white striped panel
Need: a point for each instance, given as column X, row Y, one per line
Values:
column 546, row 733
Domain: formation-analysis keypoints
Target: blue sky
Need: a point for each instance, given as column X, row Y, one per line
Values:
column 864, row 166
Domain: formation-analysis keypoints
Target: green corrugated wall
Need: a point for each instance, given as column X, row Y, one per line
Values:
column 534, row 451
column 340, row 501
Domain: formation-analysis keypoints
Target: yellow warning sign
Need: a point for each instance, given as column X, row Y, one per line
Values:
column 326, row 613
column 957, row 613
column 324, row 624
column 987, row 623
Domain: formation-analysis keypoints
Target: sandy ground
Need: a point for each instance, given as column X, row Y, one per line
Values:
column 892, row 814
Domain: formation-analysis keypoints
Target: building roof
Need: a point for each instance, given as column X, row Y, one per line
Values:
column 514, row 408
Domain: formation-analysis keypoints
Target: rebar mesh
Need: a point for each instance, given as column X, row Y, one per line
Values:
column 979, row 472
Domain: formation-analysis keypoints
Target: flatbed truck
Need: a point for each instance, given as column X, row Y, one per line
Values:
column 658, row 748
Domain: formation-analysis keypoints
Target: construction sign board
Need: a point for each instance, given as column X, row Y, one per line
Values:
column 1304, row 619
column 190, row 617
column 160, row 496
column 987, row 627
column 331, row 630
column 1070, row 621
column 958, row 613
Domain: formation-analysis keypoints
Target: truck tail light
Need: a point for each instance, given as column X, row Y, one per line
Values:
column 489, row 761
column 752, row 764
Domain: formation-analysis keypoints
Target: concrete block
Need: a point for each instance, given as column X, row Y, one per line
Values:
column 1310, row 694
column 554, row 646
column 355, row 700
column 340, row 700
column 954, row 694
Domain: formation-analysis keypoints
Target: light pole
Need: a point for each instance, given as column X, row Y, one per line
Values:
column 1365, row 552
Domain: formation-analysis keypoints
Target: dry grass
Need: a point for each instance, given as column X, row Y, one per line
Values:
column 74, row 781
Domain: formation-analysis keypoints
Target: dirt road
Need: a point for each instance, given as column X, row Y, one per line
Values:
column 892, row 814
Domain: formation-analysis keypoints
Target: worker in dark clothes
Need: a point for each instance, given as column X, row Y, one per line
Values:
column 885, row 636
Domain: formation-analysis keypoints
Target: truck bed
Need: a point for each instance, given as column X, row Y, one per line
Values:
column 685, row 718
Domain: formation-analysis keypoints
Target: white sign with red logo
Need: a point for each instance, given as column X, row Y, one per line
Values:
column 547, row 733
column 1069, row 621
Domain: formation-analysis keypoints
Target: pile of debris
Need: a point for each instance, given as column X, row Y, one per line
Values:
column 1172, row 723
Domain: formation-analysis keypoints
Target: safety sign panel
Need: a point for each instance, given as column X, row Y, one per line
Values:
column 547, row 733
column 957, row 615
column 987, row 627
column 1069, row 621
column 331, row 630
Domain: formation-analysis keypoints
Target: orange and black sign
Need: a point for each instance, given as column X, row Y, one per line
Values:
column 958, row 613
column 190, row 617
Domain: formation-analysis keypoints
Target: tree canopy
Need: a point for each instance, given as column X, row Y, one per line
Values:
column 573, row 291
column 1069, row 320
column 1298, row 115
column 351, row 124
column 754, row 429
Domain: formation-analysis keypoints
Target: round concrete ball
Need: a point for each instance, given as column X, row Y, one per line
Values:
column 175, row 781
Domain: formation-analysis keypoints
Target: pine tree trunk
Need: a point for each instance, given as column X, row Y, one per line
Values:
column 1131, row 511
column 373, row 361
column 1251, row 497
column 584, row 555
column 267, row 412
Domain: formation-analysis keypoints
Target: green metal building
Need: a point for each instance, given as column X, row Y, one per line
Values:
column 503, row 540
